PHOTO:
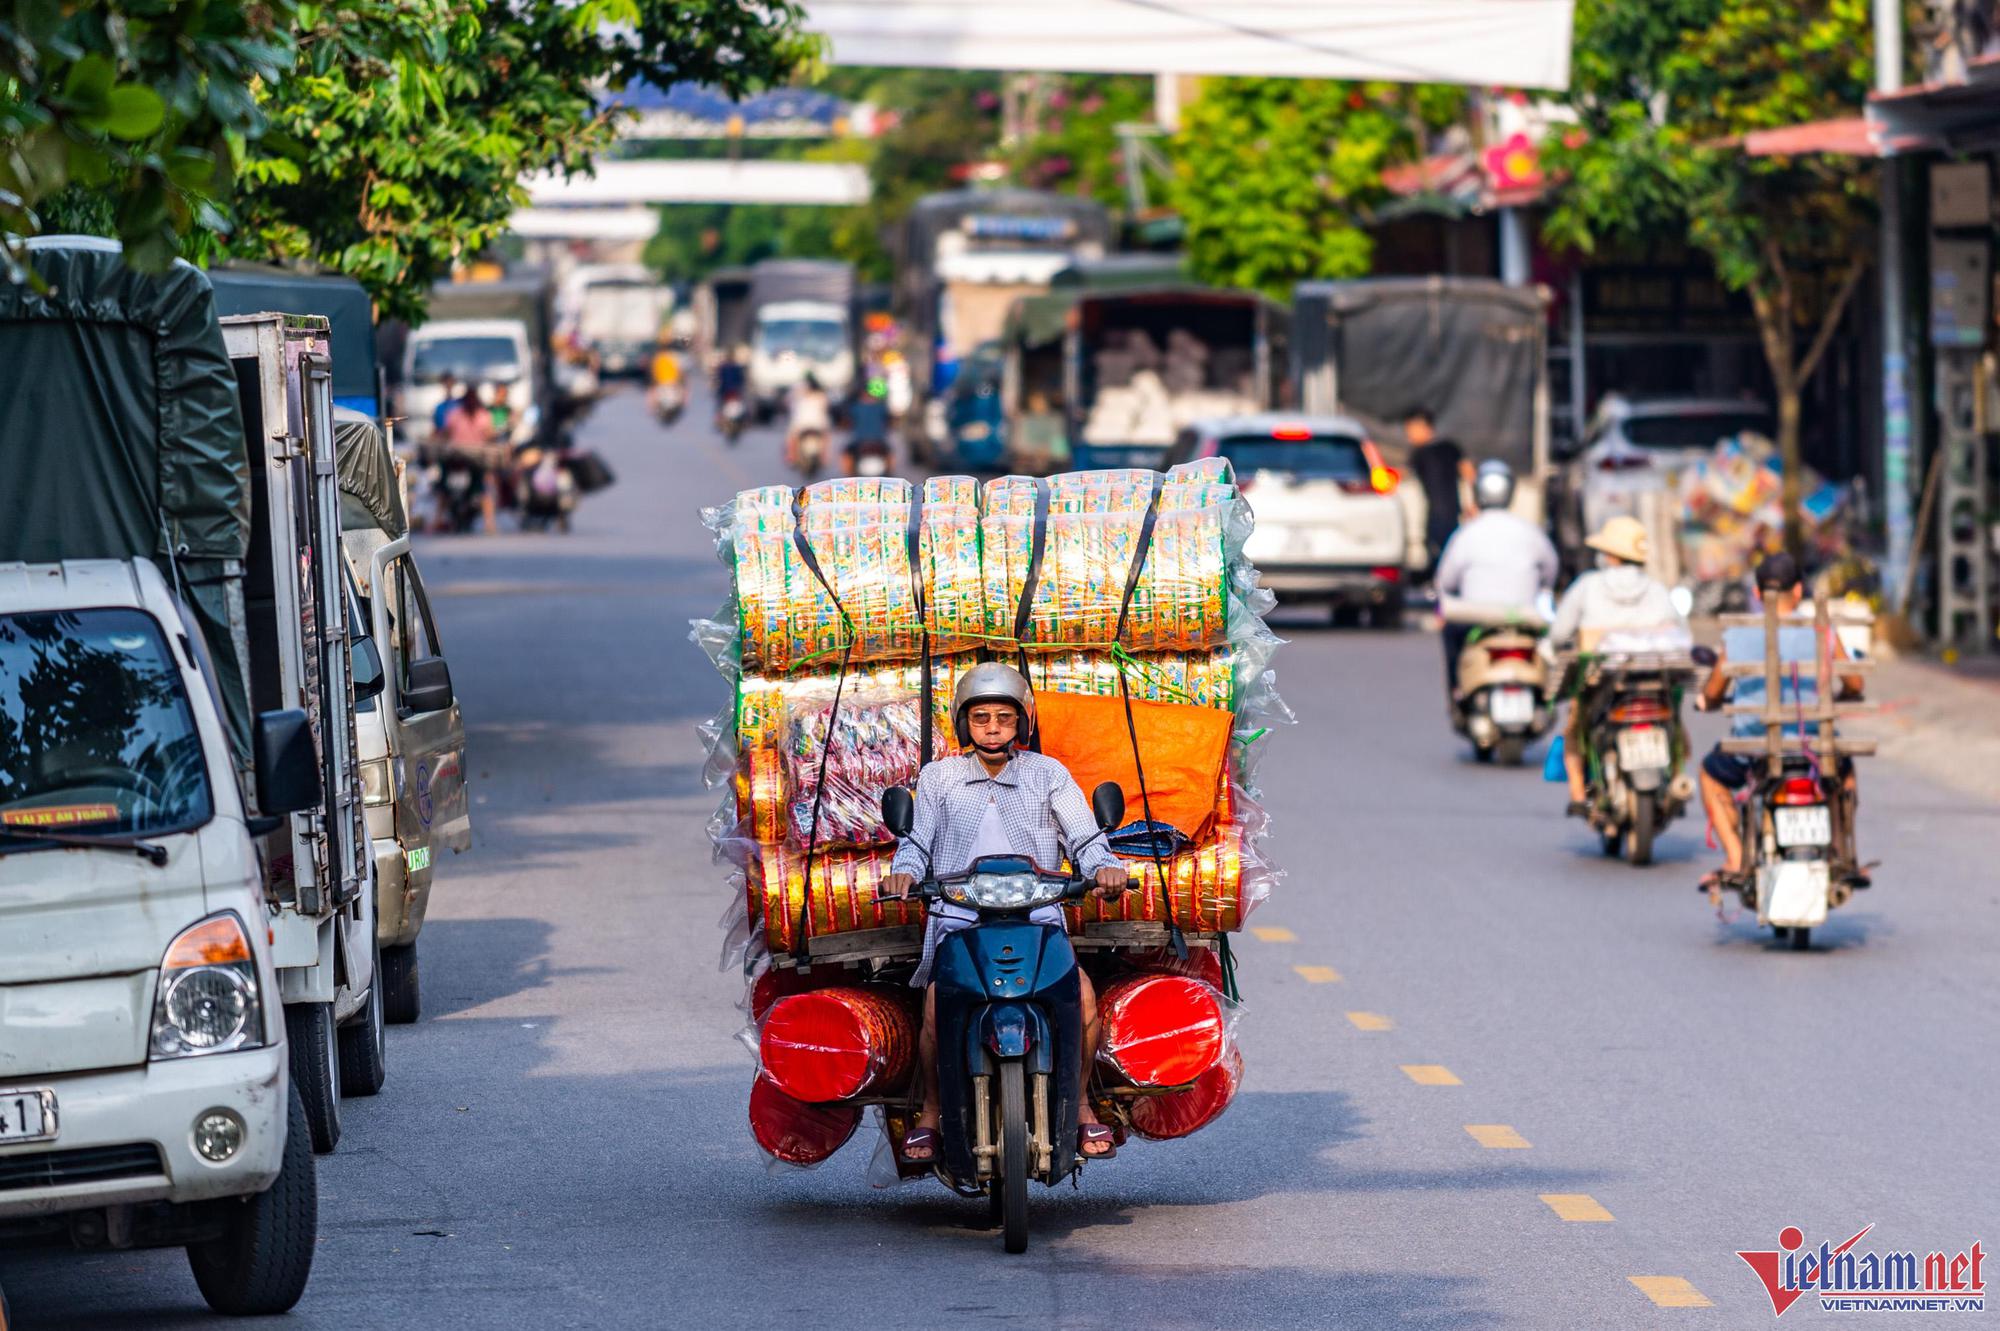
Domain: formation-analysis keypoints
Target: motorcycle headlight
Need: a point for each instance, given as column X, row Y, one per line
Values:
column 1005, row 891
column 208, row 1000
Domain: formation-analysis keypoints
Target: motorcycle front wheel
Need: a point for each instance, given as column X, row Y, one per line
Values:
column 1013, row 1177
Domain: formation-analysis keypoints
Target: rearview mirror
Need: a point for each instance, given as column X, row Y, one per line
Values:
column 1108, row 803
column 899, row 810
column 1704, row 656
column 287, row 762
column 367, row 667
column 429, row 689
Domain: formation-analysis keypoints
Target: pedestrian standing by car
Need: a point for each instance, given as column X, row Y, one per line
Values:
column 1441, row 468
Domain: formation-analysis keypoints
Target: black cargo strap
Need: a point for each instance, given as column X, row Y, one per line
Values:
column 811, row 561
column 1139, row 553
column 1024, row 613
column 914, row 535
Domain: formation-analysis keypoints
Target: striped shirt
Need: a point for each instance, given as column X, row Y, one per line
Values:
column 1040, row 806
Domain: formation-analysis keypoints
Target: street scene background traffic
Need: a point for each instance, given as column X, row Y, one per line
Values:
column 1501, row 534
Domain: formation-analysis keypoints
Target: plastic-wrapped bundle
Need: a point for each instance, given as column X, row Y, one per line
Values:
column 836, row 1043
column 837, row 896
column 859, row 531
column 1177, row 1113
column 839, row 761
column 1092, row 532
column 794, row 1131
column 1161, row 1030
column 1213, row 886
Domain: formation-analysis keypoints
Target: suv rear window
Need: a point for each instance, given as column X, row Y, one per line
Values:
column 1323, row 457
column 1694, row 431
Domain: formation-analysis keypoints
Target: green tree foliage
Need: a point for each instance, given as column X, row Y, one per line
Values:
column 1664, row 93
column 417, row 118
column 1276, row 177
column 1072, row 142
column 144, row 103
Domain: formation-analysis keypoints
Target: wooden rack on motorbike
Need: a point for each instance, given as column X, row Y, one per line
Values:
column 1577, row 669
column 904, row 943
column 1820, row 715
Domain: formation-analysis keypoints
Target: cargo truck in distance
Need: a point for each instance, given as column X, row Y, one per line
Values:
column 802, row 321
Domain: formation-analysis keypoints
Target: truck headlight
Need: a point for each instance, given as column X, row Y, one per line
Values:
column 208, row 1001
column 376, row 788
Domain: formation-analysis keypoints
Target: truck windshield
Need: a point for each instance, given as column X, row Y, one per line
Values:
column 465, row 358
column 96, row 736
column 808, row 339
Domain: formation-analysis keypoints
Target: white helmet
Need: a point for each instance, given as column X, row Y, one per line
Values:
column 990, row 681
column 1493, row 485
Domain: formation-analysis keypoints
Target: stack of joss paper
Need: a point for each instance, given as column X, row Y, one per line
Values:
column 858, row 602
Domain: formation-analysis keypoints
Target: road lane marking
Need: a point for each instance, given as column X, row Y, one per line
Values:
column 1671, row 1292
column 1430, row 1074
column 1271, row 933
column 1370, row 1021
column 1575, row 1206
column 1497, row 1137
column 1317, row 974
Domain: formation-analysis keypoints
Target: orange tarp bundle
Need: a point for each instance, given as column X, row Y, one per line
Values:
column 1183, row 748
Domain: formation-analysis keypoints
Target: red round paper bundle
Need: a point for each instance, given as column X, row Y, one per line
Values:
column 774, row 984
column 1161, row 1030
column 831, row 1044
column 1177, row 1113
column 798, row 1133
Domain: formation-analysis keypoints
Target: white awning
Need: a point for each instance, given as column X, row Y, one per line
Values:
column 1479, row 43
column 681, row 181
column 585, row 223
column 1003, row 267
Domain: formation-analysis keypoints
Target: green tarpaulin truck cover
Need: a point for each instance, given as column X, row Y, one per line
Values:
column 121, row 435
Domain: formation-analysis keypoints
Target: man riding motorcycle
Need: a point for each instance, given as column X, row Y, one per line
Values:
column 1618, row 594
column 1497, row 559
column 1724, row 774
column 995, row 799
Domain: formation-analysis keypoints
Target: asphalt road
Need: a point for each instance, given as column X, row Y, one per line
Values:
column 562, row 1140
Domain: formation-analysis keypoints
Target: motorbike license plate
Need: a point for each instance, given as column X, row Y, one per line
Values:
column 1641, row 749
column 1512, row 707
column 27, row 1115
column 458, row 481
column 1808, row 825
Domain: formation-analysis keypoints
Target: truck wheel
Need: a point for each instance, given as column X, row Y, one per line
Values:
column 396, row 977
column 1387, row 614
column 260, row 1262
column 364, row 1051
column 315, row 1060
column 1013, row 1156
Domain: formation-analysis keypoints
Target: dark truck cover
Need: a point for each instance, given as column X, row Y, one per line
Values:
column 369, row 495
column 1468, row 348
column 121, row 436
column 731, row 289
column 802, row 279
column 248, row 288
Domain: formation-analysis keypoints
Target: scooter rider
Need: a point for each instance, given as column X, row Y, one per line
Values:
column 1618, row 594
column 1496, row 559
column 1723, row 774
column 995, row 799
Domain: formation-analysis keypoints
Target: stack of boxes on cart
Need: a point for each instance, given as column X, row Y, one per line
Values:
column 1124, row 597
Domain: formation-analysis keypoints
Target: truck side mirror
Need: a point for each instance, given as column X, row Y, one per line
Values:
column 367, row 666
column 899, row 810
column 287, row 766
column 430, row 685
column 1108, row 803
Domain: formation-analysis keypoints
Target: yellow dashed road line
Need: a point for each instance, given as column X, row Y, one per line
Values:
column 1271, row 933
column 1370, row 1021
column 1430, row 1074
column 1317, row 974
column 1575, row 1206
column 1670, row 1292
column 1497, row 1137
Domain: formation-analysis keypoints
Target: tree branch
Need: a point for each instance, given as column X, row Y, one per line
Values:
column 1775, row 331
column 1831, row 320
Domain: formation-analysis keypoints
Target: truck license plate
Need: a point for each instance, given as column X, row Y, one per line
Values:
column 1642, row 749
column 27, row 1115
column 1809, row 825
column 1512, row 707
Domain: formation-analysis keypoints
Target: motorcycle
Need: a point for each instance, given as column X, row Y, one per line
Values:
column 462, row 479
column 669, row 400
column 868, row 457
column 1009, row 1024
column 730, row 417
column 809, row 452
column 1503, row 704
column 548, row 490
column 1635, row 749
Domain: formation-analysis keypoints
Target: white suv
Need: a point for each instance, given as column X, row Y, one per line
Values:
column 1330, row 525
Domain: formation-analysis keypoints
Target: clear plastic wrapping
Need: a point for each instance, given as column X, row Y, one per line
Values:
column 840, row 756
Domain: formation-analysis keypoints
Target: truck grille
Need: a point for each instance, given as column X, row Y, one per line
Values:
column 90, row 1164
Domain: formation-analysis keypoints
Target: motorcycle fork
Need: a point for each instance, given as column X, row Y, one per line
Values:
column 1041, row 1143
column 985, row 1147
